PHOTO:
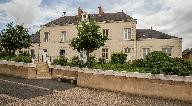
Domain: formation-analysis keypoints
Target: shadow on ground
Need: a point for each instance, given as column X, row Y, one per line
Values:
column 30, row 88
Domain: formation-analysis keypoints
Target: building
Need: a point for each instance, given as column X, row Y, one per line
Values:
column 52, row 41
column 187, row 54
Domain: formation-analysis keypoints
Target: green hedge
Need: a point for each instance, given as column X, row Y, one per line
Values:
column 118, row 58
column 60, row 61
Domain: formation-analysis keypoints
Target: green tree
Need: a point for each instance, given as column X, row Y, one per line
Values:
column 15, row 38
column 89, row 37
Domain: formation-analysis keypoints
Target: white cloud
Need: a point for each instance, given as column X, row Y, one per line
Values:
column 170, row 16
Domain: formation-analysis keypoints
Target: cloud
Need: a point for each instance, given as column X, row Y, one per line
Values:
column 169, row 16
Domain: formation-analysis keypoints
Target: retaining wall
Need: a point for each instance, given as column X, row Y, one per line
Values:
column 159, row 85
column 18, row 69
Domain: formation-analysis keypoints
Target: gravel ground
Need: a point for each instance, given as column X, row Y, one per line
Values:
column 23, row 92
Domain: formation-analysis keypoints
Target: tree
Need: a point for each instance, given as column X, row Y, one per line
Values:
column 89, row 37
column 15, row 38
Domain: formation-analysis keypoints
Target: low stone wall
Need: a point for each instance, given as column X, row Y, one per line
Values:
column 18, row 69
column 63, row 71
column 159, row 85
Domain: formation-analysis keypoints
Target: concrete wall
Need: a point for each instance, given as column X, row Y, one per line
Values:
column 167, row 86
column 23, row 70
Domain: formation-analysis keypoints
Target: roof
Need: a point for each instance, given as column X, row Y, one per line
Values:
column 119, row 16
column 150, row 33
column 35, row 37
column 187, row 51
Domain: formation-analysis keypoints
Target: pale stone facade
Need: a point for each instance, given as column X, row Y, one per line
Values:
column 122, row 36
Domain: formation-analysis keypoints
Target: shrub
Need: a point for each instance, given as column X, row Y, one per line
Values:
column 77, row 62
column 23, row 58
column 118, row 58
column 60, row 61
column 102, row 61
column 91, row 61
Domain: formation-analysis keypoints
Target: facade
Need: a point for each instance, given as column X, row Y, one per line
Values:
column 52, row 41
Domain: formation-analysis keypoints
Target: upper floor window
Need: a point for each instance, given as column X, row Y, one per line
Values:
column 46, row 36
column 146, row 51
column 127, row 33
column 105, row 53
column 63, row 36
column 167, row 50
column 106, row 32
column 62, row 53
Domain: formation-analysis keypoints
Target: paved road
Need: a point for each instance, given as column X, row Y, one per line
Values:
column 26, row 89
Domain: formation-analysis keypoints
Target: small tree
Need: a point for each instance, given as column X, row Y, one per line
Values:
column 89, row 37
column 15, row 38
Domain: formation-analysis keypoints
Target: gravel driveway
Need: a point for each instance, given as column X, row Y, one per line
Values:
column 23, row 92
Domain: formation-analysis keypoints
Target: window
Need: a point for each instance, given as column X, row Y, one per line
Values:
column 46, row 36
column 167, row 50
column 127, row 50
column 146, row 51
column 62, row 53
column 63, row 36
column 106, row 32
column 127, row 33
column 105, row 53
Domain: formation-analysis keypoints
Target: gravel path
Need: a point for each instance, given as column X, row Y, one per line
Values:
column 23, row 92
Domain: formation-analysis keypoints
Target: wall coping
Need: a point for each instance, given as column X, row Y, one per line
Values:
column 126, row 74
column 19, row 64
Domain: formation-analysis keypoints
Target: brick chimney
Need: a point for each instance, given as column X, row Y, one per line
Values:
column 100, row 10
column 79, row 12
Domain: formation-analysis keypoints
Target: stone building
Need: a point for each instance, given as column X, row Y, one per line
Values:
column 52, row 40
column 187, row 54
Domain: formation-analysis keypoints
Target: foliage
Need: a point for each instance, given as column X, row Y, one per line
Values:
column 77, row 62
column 102, row 61
column 89, row 37
column 23, row 58
column 91, row 61
column 60, row 61
column 15, row 38
column 118, row 58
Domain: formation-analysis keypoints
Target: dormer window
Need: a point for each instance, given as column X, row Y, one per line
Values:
column 46, row 36
column 127, row 33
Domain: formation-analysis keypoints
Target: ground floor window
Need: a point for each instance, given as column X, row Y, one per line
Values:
column 167, row 50
column 105, row 53
column 62, row 53
column 146, row 51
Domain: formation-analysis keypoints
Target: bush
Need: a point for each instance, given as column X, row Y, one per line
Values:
column 77, row 62
column 91, row 61
column 118, row 58
column 102, row 61
column 60, row 61
column 23, row 58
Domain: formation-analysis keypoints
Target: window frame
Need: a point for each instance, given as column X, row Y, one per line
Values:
column 127, row 34
column 46, row 36
column 166, row 50
column 105, row 32
column 63, row 36
column 146, row 52
column 63, row 52
column 105, row 53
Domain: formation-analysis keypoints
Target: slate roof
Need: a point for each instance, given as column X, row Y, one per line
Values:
column 119, row 16
column 149, row 33
column 36, row 37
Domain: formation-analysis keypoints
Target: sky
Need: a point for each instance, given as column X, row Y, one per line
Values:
column 173, row 17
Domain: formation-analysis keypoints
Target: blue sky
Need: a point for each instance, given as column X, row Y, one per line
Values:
column 169, row 16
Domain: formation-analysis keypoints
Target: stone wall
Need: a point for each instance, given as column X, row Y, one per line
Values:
column 18, row 69
column 159, row 85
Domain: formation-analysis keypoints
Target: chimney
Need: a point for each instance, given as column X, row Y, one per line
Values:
column 79, row 12
column 100, row 10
